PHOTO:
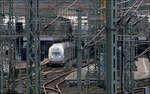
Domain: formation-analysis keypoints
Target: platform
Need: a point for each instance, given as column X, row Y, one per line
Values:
column 92, row 77
column 143, row 69
column 143, row 72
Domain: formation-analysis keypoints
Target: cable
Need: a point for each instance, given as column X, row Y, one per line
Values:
column 96, row 42
column 140, row 20
column 123, row 2
column 59, row 15
column 130, row 8
column 95, row 36
column 145, row 51
column 133, row 7
column 139, row 5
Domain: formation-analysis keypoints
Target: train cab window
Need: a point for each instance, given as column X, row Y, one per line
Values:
column 56, row 53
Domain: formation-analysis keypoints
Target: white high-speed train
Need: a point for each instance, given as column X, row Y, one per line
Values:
column 61, row 53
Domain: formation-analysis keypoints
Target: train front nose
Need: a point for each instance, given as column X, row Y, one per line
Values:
column 56, row 57
column 56, row 54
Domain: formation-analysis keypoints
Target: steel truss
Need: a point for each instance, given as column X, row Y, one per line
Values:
column 11, row 49
column 33, row 47
column 111, row 47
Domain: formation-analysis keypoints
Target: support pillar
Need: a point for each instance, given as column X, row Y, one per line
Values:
column 11, row 49
column 79, row 55
column 1, row 50
column 33, row 47
column 111, row 48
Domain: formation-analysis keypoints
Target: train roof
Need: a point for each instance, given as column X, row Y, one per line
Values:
column 63, row 45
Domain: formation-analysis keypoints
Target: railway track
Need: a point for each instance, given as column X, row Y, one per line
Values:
column 53, row 77
column 52, row 86
column 43, row 72
column 142, row 83
column 140, row 86
column 139, row 91
column 52, row 73
column 49, row 71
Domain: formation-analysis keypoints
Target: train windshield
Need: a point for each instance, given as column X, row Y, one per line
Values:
column 56, row 53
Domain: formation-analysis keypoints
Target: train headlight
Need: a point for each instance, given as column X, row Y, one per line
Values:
column 62, row 56
column 50, row 57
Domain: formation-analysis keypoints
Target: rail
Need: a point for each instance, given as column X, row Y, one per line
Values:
column 56, row 85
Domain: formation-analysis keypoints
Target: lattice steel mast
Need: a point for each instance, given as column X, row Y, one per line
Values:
column 33, row 47
column 79, row 54
column 1, row 50
column 11, row 48
column 111, row 47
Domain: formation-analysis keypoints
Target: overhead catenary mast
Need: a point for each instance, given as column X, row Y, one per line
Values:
column 33, row 47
